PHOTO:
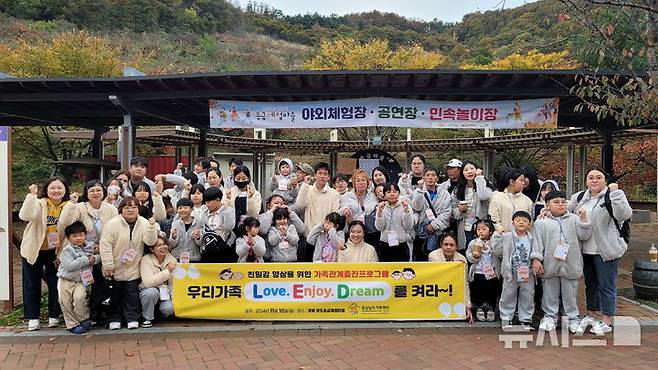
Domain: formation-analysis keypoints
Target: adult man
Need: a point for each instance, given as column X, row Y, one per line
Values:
column 453, row 168
column 317, row 200
column 137, row 171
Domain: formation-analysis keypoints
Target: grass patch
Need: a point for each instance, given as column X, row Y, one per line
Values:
column 630, row 294
column 15, row 317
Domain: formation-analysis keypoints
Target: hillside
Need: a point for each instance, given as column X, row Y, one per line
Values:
column 204, row 35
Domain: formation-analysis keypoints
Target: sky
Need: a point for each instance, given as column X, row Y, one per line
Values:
column 444, row 10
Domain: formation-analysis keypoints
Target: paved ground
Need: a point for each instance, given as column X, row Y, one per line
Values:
column 199, row 344
column 350, row 348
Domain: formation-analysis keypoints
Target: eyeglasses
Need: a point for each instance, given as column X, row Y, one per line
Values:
column 558, row 201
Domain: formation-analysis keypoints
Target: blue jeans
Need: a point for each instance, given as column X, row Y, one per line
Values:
column 32, row 275
column 600, row 283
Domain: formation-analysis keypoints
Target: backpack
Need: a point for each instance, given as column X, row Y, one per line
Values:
column 215, row 249
column 625, row 228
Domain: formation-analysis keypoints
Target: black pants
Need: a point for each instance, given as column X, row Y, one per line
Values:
column 127, row 306
column 419, row 254
column 484, row 291
column 32, row 275
column 373, row 239
column 398, row 253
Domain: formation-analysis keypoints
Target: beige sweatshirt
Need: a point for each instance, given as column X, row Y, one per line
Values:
column 117, row 238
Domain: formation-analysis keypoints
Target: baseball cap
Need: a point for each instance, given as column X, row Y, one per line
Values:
column 454, row 163
column 307, row 168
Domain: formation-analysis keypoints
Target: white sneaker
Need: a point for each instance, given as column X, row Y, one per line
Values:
column 587, row 321
column 53, row 322
column 576, row 328
column 491, row 315
column 547, row 324
column 133, row 325
column 115, row 325
column 600, row 328
column 506, row 325
column 33, row 325
column 479, row 315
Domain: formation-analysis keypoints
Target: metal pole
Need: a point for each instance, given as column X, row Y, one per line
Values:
column 127, row 140
column 582, row 156
column 203, row 143
column 571, row 153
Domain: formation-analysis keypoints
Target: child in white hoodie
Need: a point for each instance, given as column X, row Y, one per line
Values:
column 285, row 183
column 283, row 237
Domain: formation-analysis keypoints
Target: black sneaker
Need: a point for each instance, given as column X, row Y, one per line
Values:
column 147, row 324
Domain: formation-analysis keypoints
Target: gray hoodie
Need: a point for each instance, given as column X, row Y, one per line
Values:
column 546, row 234
column 495, row 262
column 283, row 252
column 184, row 241
column 503, row 247
column 442, row 205
column 605, row 236
column 290, row 195
column 74, row 259
column 395, row 218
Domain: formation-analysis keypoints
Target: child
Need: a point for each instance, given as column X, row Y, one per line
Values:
column 484, row 271
column 547, row 187
column 514, row 248
column 285, row 183
column 185, row 237
column 326, row 238
column 75, row 275
column 557, row 259
column 283, row 237
column 250, row 247
column 195, row 194
column 218, row 221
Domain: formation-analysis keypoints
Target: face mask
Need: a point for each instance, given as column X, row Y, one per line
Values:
column 241, row 184
column 114, row 189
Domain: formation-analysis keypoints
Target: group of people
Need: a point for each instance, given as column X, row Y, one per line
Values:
column 110, row 252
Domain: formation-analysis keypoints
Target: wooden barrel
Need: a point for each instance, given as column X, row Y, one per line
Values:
column 645, row 279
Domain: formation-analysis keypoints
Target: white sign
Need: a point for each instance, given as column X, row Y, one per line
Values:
column 512, row 114
column 5, row 206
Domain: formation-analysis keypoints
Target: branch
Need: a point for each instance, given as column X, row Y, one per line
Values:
column 624, row 4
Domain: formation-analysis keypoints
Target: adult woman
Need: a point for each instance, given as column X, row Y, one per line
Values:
column 360, row 201
column 503, row 204
column 123, row 176
column 396, row 221
column 156, row 270
column 532, row 185
column 340, row 183
column 470, row 201
column 447, row 252
column 94, row 213
column 380, row 176
column 602, row 251
column 433, row 205
column 90, row 209
column 243, row 196
column 356, row 250
column 40, row 247
column 409, row 181
column 214, row 179
column 122, row 247
column 151, row 205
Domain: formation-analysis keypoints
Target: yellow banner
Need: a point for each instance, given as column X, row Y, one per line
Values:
column 320, row 291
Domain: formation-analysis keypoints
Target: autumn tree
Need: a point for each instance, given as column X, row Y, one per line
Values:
column 532, row 60
column 618, row 35
column 349, row 54
column 72, row 54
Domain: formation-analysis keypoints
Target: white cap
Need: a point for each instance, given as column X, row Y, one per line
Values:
column 454, row 163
